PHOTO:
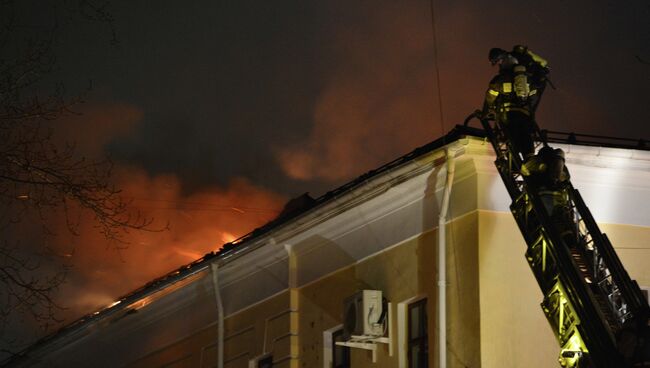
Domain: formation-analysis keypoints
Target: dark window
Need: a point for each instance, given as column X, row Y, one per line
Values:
column 645, row 293
column 418, row 341
column 266, row 362
column 340, row 354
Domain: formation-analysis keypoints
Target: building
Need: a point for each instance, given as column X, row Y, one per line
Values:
column 280, row 290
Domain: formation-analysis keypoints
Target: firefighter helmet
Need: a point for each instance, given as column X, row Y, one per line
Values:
column 496, row 55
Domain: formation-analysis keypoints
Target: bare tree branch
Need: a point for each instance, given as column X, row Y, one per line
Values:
column 40, row 179
column 642, row 61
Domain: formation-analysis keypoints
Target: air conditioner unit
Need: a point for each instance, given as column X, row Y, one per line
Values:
column 363, row 314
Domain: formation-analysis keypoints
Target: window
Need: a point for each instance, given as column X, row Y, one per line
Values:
column 341, row 354
column 412, row 333
column 418, row 339
column 262, row 361
column 266, row 362
column 335, row 356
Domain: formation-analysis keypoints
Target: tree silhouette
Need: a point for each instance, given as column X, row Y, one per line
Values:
column 40, row 179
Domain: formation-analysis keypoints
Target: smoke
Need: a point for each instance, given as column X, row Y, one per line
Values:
column 91, row 126
column 380, row 96
column 378, row 101
column 184, row 226
column 197, row 224
column 381, row 99
column 373, row 67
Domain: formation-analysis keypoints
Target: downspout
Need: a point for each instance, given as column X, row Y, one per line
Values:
column 214, row 267
column 442, row 260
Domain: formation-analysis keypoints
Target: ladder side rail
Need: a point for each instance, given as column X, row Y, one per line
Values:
column 630, row 292
column 596, row 331
column 504, row 159
column 639, row 310
column 514, row 184
column 568, row 267
column 599, row 266
column 593, row 327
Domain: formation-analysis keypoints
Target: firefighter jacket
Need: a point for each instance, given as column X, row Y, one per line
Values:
column 519, row 84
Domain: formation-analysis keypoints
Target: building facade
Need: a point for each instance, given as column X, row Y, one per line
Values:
column 277, row 298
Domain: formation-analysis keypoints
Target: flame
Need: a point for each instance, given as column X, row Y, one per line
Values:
column 102, row 272
column 188, row 253
column 227, row 237
column 198, row 222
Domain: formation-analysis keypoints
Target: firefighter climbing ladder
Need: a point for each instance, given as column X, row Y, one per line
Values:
column 595, row 310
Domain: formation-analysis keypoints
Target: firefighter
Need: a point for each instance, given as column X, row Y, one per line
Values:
column 514, row 93
column 550, row 178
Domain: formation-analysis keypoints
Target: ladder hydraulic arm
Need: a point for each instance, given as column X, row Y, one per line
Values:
column 598, row 314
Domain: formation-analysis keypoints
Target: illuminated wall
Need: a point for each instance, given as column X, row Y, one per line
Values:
column 282, row 295
column 403, row 271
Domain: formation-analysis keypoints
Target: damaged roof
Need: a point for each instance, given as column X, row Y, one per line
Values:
column 298, row 207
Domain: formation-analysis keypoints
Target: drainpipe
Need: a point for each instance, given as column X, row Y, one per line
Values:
column 214, row 267
column 442, row 261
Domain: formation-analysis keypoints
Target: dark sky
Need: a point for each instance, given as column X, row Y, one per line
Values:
column 229, row 88
column 209, row 105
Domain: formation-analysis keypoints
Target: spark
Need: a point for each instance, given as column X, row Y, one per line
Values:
column 114, row 303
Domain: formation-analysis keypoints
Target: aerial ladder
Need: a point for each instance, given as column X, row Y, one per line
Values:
column 597, row 312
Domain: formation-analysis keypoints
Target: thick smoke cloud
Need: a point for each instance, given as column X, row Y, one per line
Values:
column 381, row 97
column 197, row 224
column 281, row 93
column 224, row 100
column 378, row 101
column 184, row 228
column 89, row 127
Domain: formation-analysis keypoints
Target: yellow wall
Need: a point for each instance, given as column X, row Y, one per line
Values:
column 494, row 317
column 402, row 272
column 514, row 330
column 632, row 244
column 246, row 334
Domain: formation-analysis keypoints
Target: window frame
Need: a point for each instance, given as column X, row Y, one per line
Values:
column 422, row 340
column 255, row 362
column 265, row 360
column 329, row 348
column 403, row 327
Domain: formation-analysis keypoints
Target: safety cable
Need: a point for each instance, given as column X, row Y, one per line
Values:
column 436, row 63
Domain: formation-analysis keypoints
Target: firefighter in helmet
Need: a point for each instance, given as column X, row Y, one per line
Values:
column 549, row 177
column 514, row 93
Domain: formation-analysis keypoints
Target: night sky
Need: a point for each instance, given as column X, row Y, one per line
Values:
column 231, row 89
column 216, row 112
